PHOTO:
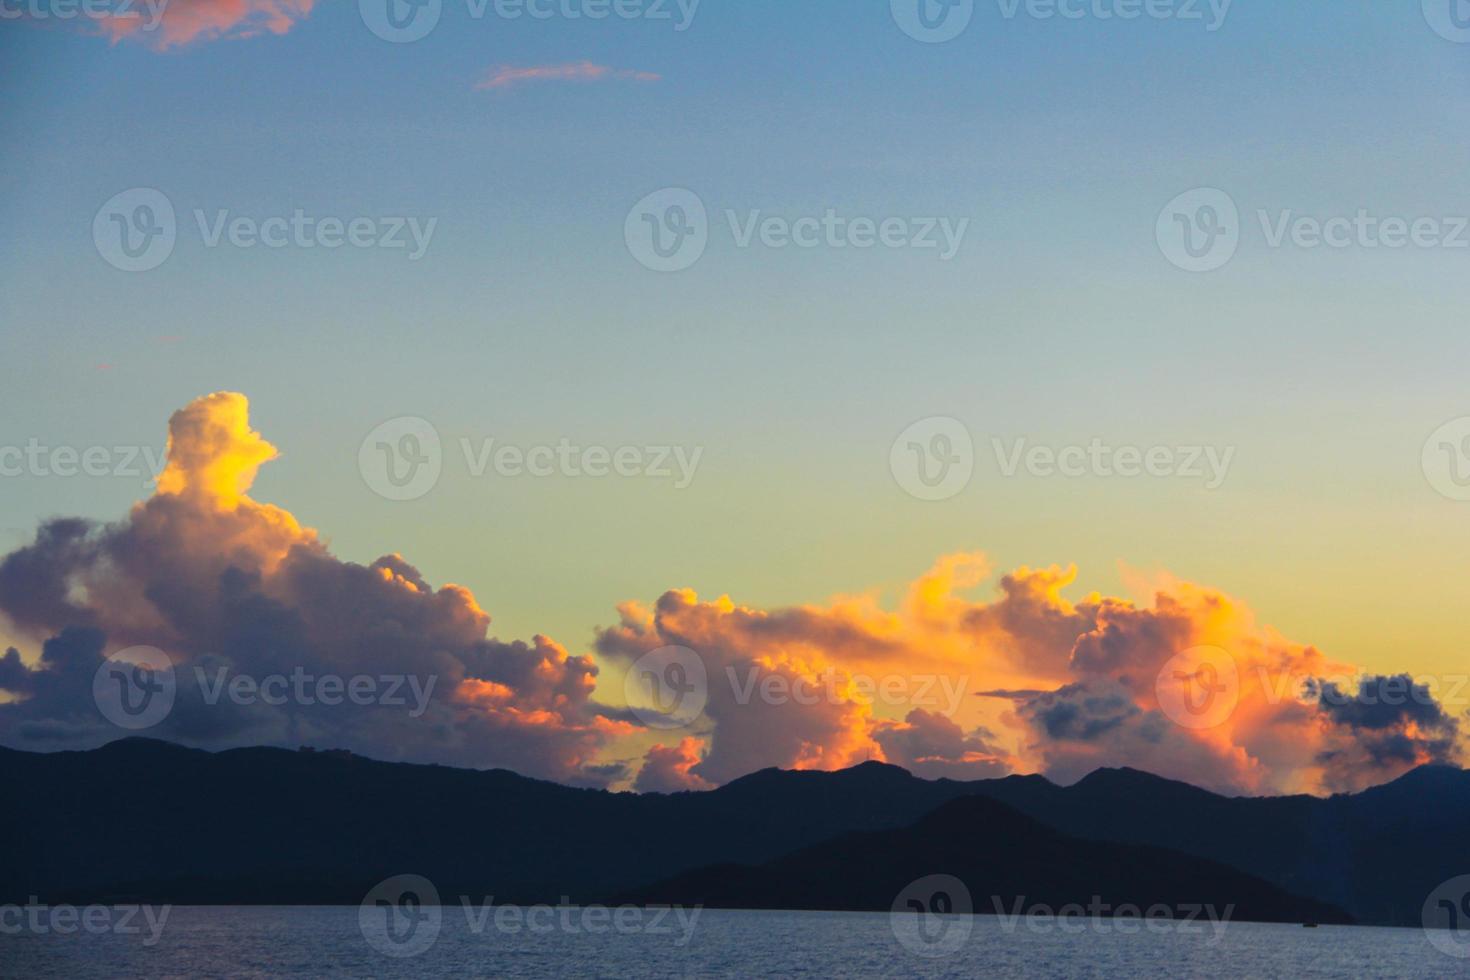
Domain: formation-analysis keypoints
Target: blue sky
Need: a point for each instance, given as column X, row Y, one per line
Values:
column 528, row 320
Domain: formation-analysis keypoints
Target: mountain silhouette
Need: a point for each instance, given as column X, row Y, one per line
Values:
column 1008, row 862
column 154, row 821
column 1378, row 853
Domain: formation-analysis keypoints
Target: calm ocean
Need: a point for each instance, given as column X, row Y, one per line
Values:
column 315, row 942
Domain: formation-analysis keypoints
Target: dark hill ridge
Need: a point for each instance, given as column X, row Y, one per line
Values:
column 161, row 822
column 1008, row 863
column 266, row 825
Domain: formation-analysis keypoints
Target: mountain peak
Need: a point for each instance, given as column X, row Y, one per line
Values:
column 137, row 744
column 874, row 766
column 1127, row 779
column 1432, row 777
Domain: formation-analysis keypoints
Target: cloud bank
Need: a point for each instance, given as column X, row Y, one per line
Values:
column 1188, row 685
column 215, row 579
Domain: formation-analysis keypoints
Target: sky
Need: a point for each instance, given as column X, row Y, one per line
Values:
column 529, row 153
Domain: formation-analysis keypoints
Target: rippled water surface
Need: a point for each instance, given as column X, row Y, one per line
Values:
column 313, row 942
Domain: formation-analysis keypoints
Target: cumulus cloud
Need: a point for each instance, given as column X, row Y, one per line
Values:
column 1081, row 684
column 670, row 769
column 813, row 687
column 223, row 583
column 934, row 746
column 183, row 22
column 1095, row 723
column 1387, row 723
column 228, row 586
column 825, row 727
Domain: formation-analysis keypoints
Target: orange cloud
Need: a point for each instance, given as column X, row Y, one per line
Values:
column 216, row 579
column 506, row 76
column 670, row 770
column 219, row 580
column 1078, row 685
column 188, row 21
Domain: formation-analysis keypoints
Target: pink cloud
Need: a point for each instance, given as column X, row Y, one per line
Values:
column 670, row 770
column 186, row 21
column 506, row 76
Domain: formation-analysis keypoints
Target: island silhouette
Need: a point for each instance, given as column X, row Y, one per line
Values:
column 144, row 820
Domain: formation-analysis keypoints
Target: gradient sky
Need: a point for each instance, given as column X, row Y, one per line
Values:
column 528, row 320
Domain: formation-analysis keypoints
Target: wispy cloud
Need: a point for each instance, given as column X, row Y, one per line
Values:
column 507, row 76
